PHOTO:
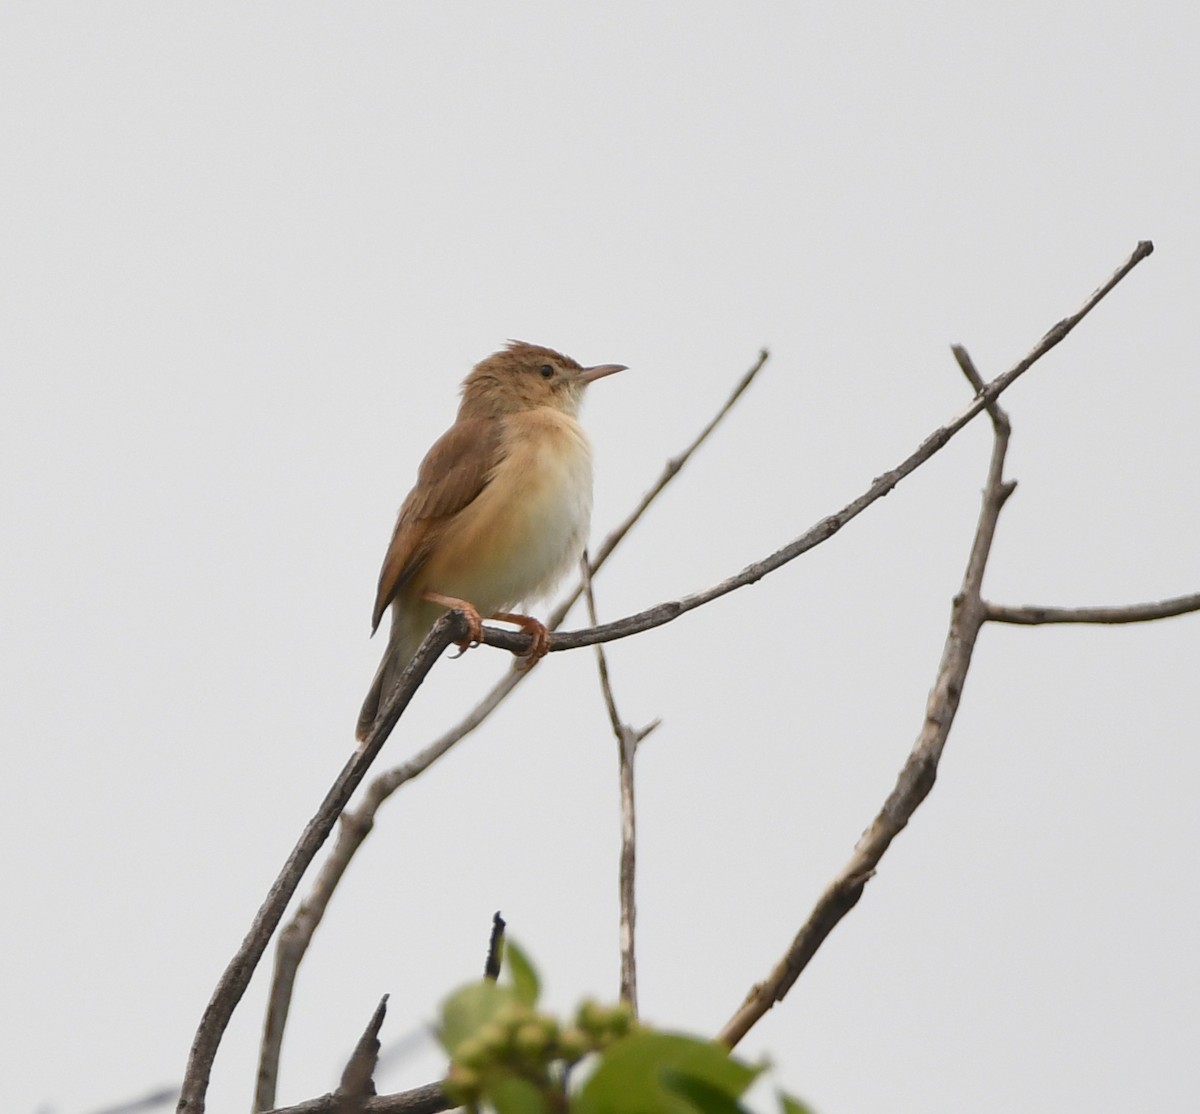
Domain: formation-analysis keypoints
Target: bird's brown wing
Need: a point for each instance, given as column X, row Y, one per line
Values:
column 452, row 474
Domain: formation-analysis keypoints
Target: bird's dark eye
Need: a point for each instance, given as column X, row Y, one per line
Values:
column 547, row 371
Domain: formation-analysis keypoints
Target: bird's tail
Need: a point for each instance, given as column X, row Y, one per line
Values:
column 403, row 643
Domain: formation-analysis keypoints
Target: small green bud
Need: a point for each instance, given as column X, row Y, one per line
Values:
column 462, row 1084
column 620, row 1019
column 549, row 1023
column 591, row 1016
column 472, row 1053
column 531, row 1039
column 512, row 1015
column 574, row 1044
column 494, row 1037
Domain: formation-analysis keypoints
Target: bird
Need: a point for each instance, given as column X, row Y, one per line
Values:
column 499, row 512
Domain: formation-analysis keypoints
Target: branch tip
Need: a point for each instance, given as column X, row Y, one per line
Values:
column 495, row 952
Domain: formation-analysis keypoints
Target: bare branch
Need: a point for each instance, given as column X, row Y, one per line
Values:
column 626, row 744
column 1130, row 613
column 358, row 1080
column 667, row 612
column 357, row 825
column 627, row 741
column 236, row 977
column 920, row 770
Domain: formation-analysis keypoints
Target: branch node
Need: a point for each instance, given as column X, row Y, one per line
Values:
column 648, row 730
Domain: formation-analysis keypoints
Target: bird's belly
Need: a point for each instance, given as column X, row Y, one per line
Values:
column 525, row 529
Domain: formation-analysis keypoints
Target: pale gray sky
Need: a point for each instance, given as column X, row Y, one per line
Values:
column 248, row 252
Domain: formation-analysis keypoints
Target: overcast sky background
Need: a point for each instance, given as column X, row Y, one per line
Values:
column 248, row 253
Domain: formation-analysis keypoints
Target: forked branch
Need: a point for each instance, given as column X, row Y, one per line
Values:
column 920, row 770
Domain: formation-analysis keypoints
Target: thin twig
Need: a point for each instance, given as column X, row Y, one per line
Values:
column 917, row 776
column 667, row 612
column 358, row 1079
column 356, row 826
column 1130, row 613
column 495, row 952
column 627, row 741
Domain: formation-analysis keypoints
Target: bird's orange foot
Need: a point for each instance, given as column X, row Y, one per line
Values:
column 468, row 611
column 533, row 627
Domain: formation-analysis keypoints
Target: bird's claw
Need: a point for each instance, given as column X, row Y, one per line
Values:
column 474, row 630
column 538, row 631
column 468, row 611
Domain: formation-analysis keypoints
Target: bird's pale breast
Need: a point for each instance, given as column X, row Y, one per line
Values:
column 529, row 524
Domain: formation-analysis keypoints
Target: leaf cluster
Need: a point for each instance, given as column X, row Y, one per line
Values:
column 511, row 1057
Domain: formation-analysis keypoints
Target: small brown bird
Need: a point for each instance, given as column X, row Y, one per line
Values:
column 499, row 512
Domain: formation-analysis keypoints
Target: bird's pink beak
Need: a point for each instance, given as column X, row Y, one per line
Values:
column 591, row 374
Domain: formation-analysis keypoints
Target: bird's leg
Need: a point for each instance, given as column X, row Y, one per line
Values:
column 530, row 626
column 468, row 611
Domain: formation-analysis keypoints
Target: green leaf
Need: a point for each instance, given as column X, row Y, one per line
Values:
column 514, row 1095
column 466, row 1011
column 790, row 1105
column 522, row 973
column 631, row 1075
column 703, row 1096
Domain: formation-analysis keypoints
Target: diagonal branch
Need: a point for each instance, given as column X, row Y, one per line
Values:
column 917, row 776
column 236, row 976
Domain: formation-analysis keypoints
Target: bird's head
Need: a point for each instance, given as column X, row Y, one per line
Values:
column 525, row 377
